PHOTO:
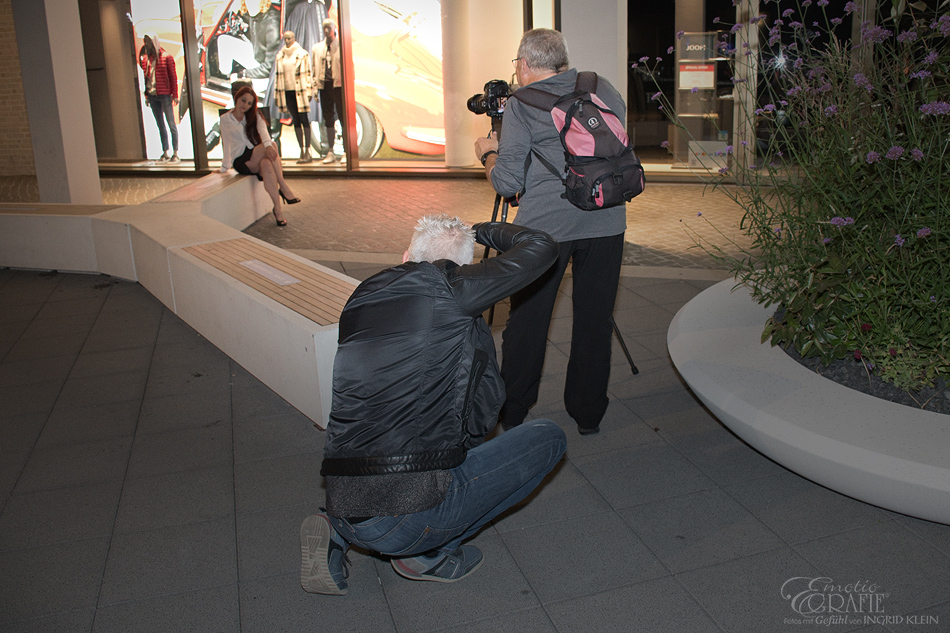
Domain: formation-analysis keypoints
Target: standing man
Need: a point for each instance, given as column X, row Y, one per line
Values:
column 592, row 239
column 161, row 91
column 293, row 90
column 328, row 78
column 415, row 391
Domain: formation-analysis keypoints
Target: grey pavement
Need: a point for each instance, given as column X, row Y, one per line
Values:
column 150, row 483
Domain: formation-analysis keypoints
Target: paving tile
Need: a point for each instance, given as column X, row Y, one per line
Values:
column 655, row 605
column 699, row 529
column 75, row 465
column 799, row 511
column 56, row 516
column 496, row 588
column 745, row 595
column 55, row 309
column 619, row 428
column 551, row 553
column 195, row 354
column 655, row 377
column 183, row 411
column 69, row 424
column 190, row 496
column 37, row 397
column 936, row 534
column 170, row 560
column 111, row 362
column 910, row 573
column 532, row 620
column 11, row 466
column 17, row 312
column 724, row 458
column 209, row 610
column 46, row 347
column 105, row 337
column 279, row 603
column 33, row 583
column 211, row 376
column 34, row 370
column 77, row 325
column 275, row 436
column 88, row 390
column 251, row 399
column 640, row 474
column 181, row 449
column 269, row 541
column 60, row 623
column 564, row 494
column 19, row 432
column 274, row 483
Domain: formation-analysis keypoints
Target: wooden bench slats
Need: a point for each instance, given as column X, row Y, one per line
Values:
column 318, row 296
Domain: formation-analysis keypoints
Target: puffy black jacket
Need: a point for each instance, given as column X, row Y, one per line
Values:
column 415, row 380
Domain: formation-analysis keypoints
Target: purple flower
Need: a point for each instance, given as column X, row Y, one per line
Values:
column 839, row 221
column 806, row 3
column 744, row 143
column 680, row 34
column 823, row 3
column 836, row 21
column 920, row 74
column 850, row 7
column 831, row 110
column 917, row 154
column 936, row 108
column 665, row 144
column 656, row 96
column 774, row 35
column 930, row 58
column 715, row 20
column 933, row 299
column 924, row 232
column 723, row 170
column 794, row 90
column 757, row 19
column 787, row 12
column 827, row 240
column 694, row 89
column 735, row 28
column 899, row 240
column 862, row 82
column 907, row 36
column 894, row 153
column 644, row 59
column 796, row 25
column 669, row 51
column 699, row 213
column 873, row 34
column 872, row 157
column 943, row 25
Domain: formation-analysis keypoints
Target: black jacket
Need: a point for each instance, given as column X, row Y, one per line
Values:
column 415, row 380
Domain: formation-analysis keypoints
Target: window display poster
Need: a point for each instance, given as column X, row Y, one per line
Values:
column 697, row 75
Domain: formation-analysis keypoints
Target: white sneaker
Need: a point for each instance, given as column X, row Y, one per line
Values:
column 331, row 158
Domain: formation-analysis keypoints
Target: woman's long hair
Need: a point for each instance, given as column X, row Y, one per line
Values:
column 250, row 124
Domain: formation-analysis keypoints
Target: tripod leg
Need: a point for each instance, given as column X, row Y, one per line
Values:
column 623, row 346
column 504, row 218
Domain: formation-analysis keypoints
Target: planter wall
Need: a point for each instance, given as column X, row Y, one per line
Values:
column 883, row 453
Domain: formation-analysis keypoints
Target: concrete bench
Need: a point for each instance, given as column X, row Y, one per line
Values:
column 275, row 313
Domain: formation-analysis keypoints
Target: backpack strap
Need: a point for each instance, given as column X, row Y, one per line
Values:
column 536, row 98
column 586, row 82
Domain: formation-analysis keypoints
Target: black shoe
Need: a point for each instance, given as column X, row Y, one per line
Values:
column 588, row 430
column 279, row 222
column 293, row 201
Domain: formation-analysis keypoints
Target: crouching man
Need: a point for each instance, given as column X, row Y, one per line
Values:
column 416, row 389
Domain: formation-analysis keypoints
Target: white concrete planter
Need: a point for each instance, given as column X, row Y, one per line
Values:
column 886, row 454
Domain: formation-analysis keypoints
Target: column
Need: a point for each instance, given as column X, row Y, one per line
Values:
column 49, row 40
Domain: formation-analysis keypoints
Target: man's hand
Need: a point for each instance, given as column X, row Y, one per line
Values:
column 483, row 145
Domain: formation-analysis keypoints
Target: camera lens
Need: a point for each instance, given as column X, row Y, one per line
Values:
column 478, row 104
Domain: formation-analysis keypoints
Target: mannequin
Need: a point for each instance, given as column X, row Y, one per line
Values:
column 161, row 92
column 292, row 90
column 328, row 79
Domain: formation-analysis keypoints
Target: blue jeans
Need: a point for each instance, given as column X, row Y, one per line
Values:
column 494, row 476
column 164, row 110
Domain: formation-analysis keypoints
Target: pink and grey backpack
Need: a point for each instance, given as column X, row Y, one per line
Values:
column 600, row 167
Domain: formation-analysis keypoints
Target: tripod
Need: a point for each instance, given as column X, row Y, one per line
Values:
column 504, row 203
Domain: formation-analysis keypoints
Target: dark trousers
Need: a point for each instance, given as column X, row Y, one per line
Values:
column 331, row 105
column 300, row 119
column 596, row 273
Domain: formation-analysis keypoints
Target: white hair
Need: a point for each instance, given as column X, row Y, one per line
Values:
column 442, row 237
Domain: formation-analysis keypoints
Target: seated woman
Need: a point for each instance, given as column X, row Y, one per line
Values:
column 249, row 149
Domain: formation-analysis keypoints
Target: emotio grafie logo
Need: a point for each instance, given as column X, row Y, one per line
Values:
column 822, row 601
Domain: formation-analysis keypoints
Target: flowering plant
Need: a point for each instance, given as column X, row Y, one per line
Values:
column 846, row 185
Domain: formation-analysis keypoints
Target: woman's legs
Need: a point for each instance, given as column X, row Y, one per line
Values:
column 260, row 164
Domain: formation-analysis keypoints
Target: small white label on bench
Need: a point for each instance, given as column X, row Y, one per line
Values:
column 277, row 276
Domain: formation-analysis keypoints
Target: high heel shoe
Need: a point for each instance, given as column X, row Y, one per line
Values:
column 286, row 201
column 279, row 222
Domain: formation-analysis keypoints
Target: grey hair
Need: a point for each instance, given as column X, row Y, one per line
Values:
column 544, row 48
column 442, row 237
column 330, row 22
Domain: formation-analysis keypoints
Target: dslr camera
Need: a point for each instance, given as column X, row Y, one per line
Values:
column 493, row 101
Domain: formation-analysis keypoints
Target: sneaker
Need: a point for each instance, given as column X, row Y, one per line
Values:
column 163, row 158
column 174, row 158
column 323, row 561
column 440, row 567
column 331, row 157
